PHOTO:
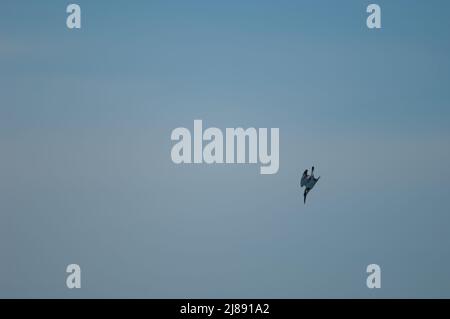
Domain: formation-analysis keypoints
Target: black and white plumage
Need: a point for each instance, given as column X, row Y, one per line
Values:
column 308, row 181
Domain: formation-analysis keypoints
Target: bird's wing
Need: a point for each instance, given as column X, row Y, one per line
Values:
column 311, row 182
column 303, row 181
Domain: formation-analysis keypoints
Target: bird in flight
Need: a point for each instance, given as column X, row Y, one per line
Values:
column 308, row 181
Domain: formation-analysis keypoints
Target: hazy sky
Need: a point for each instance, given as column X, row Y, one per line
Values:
column 86, row 175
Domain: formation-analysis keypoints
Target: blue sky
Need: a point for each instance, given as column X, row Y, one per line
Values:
column 86, row 175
